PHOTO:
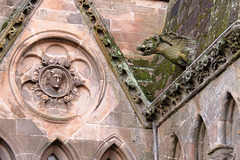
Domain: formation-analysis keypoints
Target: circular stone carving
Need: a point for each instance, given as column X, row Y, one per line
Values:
column 55, row 81
column 57, row 87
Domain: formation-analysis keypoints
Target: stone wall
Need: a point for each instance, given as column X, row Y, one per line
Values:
column 205, row 127
column 132, row 21
column 201, row 20
column 56, row 29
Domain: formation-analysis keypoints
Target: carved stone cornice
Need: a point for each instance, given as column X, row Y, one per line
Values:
column 13, row 26
column 209, row 65
column 115, row 58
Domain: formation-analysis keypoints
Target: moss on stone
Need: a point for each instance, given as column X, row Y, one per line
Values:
column 164, row 72
column 141, row 74
column 141, row 63
column 212, row 20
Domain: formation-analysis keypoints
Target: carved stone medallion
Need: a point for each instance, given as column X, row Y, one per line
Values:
column 58, row 81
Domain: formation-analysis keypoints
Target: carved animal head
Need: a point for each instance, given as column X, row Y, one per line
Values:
column 178, row 49
column 149, row 45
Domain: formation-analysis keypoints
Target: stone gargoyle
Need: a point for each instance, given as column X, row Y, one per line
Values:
column 180, row 50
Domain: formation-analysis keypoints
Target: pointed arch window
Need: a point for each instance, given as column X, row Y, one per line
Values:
column 52, row 157
column 56, row 151
column 113, row 153
column 175, row 149
column 231, row 118
column 199, row 139
column 113, row 148
column 203, row 142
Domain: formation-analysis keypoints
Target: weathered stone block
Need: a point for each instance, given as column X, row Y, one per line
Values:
column 88, row 131
column 116, row 15
column 74, row 18
column 12, row 2
column 60, row 5
column 106, row 131
column 128, row 48
column 103, row 5
column 5, row 10
column 29, row 143
column 8, row 125
column 148, row 18
column 123, row 107
column 27, row 127
column 133, row 27
column 133, row 8
column 132, row 37
column 87, row 147
column 130, row 120
column 113, row 119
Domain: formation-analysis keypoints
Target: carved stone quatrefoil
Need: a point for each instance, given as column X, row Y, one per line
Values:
column 58, row 81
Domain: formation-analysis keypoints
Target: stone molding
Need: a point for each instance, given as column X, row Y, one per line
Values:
column 209, row 65
column 119, row 143
column 14, row 25
column 115, row 58
column 12, row 144
column 68, row 146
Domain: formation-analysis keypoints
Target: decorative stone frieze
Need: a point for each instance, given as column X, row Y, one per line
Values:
column 115, row 58
column 14, row 25
column 56, row 79
column 210, row 64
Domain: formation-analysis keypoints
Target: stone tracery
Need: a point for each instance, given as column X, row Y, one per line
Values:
column 58, row 81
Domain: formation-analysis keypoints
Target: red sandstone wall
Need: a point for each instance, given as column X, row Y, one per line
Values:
column 132, row 21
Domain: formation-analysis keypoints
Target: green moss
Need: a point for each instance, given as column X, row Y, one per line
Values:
column 141, row 74
column 218, row 23
column 211, row 23
column 160, row 77
column 4, row 25
column 141, row 63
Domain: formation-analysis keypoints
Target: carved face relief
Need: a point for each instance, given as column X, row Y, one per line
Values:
column 55, row 78
column 58, row 81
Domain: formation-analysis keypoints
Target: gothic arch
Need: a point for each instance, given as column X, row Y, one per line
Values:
column 226, row 127
column 228, row 113
column 114, row 147
column 5, row 151
column 58, row 149
column 198, row 139
column 9, row 148
column 175, row 150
